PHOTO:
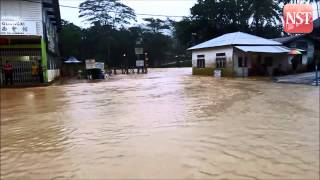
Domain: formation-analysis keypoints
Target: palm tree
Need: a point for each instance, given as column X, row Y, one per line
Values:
column 266, row 12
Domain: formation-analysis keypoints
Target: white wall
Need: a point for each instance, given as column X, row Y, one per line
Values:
column 17, row 10
column 210, row 55
column 52, row 74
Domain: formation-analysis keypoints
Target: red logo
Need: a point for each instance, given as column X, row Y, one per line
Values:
column 298, row 18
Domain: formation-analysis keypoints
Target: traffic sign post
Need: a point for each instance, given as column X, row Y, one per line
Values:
column 140, row 63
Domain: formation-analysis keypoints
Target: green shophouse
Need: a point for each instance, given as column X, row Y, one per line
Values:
column 29, row 36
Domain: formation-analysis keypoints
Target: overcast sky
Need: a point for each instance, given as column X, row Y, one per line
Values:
column 159, row 7
column 162, row 7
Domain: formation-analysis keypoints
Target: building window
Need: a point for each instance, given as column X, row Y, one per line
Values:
column 242, row 62
column 201, row 61
column 221, row 60
column 268, row 61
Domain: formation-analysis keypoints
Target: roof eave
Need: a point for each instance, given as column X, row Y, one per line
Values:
column 192, row 49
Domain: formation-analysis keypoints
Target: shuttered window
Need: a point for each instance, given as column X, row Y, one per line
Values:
column 221, row 60
column 201, row 61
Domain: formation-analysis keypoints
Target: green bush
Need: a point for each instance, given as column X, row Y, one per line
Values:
column 226, row 72
column 202, row 71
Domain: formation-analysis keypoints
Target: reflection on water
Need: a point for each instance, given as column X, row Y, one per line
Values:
column 167, row 124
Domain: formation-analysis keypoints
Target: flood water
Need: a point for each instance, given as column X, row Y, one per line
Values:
column 167, row 124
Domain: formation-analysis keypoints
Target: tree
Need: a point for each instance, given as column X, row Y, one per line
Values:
column 266, row 12
column 183, row 32
column 212, row 18
column 106, row 12
column 157, row 25
column 158, row 46
column 70, row 40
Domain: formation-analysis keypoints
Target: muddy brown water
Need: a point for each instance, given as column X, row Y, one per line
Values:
column 165, row 125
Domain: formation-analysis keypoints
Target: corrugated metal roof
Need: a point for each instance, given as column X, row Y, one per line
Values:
column 264, row 49
column 236, row 38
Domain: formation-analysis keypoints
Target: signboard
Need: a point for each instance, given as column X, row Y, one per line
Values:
column 140, row 63
column 217, row 73
column 99, row 65
column 90, row 64
column 18, row 28
column 139, row 50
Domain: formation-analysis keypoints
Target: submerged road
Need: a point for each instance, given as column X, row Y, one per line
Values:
column 165, row 125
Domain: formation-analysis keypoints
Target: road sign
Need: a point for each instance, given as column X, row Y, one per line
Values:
column 139, row 50
column 140, row 63
column 217, row 73
column 99, row 65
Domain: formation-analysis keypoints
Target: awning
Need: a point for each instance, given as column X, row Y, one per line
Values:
column 264, row 49
column 72, row 60
column 295, row 52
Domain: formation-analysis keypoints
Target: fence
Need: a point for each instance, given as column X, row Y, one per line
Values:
column 22, row 60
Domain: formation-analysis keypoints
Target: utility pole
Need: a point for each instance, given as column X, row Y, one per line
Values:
column 139, row 54
column 146, row 62
column 317, row 76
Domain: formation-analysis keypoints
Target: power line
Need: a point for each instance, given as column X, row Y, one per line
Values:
column 139, row 14
column 135, row 0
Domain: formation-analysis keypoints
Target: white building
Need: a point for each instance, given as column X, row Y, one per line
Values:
column 29, row 35
column 240, row 54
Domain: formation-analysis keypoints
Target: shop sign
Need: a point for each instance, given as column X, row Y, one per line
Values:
column 18, row 28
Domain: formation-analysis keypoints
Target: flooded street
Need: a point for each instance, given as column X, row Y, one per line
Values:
column 167, row 124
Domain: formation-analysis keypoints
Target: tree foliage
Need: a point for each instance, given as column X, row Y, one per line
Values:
column 70, row 39
column 211, row 18
column 264, row 13
column 157, row 25
column 93, row 43
column 106, row 12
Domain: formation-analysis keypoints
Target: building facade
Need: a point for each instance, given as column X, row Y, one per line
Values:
column 240, row 54
column 309, row 43
column 29, row 37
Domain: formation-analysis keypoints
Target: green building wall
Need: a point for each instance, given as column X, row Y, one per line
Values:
column 44, row 61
